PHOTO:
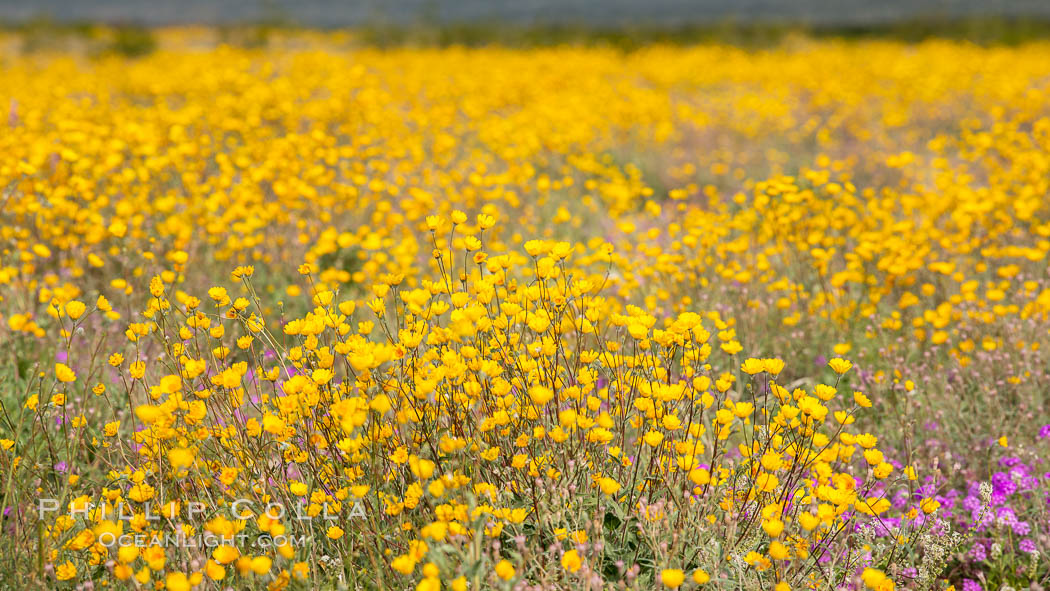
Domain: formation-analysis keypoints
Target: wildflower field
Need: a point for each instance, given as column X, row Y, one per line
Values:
column 321, row 316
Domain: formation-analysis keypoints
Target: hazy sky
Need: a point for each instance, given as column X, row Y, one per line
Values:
column 607, row 12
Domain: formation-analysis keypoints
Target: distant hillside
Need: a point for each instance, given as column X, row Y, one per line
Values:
column 602, row 13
